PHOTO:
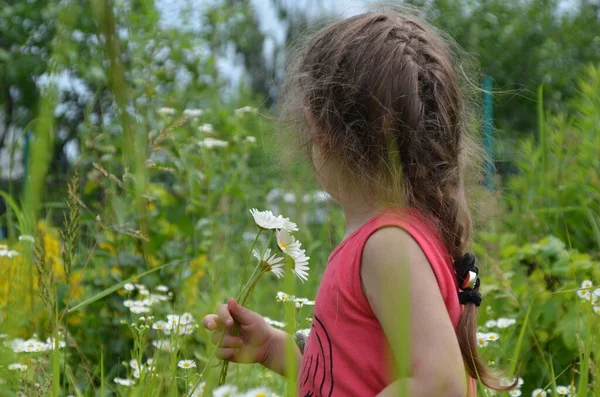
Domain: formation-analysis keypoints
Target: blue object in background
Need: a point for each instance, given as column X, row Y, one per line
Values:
column 488, row 131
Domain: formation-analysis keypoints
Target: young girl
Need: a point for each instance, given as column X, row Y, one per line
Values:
column 384, row 116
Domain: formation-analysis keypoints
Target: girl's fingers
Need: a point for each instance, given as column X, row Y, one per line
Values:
column 211, row 322
column 225, row 316
column 225, row 353
column 224, row 340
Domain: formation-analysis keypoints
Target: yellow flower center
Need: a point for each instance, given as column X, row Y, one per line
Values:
column 261, row 394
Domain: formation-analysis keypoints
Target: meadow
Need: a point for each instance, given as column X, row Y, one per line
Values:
column 109, row 265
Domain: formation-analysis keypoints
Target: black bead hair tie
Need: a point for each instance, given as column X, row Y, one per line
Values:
column 468, row 280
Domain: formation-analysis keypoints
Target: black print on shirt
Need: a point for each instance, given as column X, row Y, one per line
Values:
column 316, row 379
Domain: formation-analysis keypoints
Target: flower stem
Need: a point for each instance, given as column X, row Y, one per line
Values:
column 248, row 258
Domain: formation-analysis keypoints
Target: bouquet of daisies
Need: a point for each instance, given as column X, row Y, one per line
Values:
column 268, row 261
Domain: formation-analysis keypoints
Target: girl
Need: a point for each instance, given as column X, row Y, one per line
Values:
column 382, row 111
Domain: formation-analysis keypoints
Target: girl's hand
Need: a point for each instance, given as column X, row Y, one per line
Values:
column 254, row 342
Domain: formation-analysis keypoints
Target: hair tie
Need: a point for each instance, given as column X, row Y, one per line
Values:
column 468, row 280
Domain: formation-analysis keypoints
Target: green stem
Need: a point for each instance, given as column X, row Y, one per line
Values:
column 242, row 300
column 248, row 258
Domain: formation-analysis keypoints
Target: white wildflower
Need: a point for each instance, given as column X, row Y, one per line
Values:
column 17, row 367
column 482, row 340
column 492, row 336
column 186, row 318
column 250, row 139
column 292, row 247
column 273, row 262
column 274, row 323
column 283, row 297
column 539, row 393
column 210, row 143
column 258, row 392
column 225, row 391
column 586, row 284
column 163, row 344
column 26, row 237
column 305, row 332
column 289, row 198
column 139, row 309
column 134, row 364
column 505, row 322
column 166, row 111
column 193, row 112
column 162, row 288
column 514, row 392
column 562, row 390
column 597, row 309
column 584, row 294
column 197, row 391
column 129, row 287
column 206, row 128
column 186, row 364
column 505, row 382
column 124, row 382
column 490, row 324
column 243, row 110
column 266, row 220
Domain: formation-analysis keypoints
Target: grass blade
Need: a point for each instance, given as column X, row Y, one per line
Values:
column 115, row 287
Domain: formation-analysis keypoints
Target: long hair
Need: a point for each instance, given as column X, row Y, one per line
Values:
column 386, row 102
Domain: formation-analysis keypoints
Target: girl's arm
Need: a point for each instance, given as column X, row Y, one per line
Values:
column 276, row 356
column 404, row 294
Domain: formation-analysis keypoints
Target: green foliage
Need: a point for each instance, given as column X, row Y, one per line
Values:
column 539, row 281
column 557, row 189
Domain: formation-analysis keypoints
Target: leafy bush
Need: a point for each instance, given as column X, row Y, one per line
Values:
column 557, row 188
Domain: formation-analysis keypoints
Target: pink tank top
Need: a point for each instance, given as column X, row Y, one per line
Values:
column 347, row 353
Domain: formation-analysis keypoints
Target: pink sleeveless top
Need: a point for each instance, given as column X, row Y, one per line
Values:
column 347, row 353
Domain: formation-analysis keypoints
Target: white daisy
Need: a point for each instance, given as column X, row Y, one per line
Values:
column 597, row 309
column 490, row 324
column 283, row 297
column 129, row 287
column 292, row 247
column 584, row 294
column 586, row 284
column 539, row 393
column 186, row 318
column 514, row 392
column 562, row 390
column 162, row 288
column 492, row 336
column 139, row 309
column 163, row 344
column 186, row 364
column 266, row 220
column 505, row 322
column 520, row 382
column 505, row 382
column 134, row 364
column 273, row 262
column 225, row 391
column 17, row 366
column 482, row 340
